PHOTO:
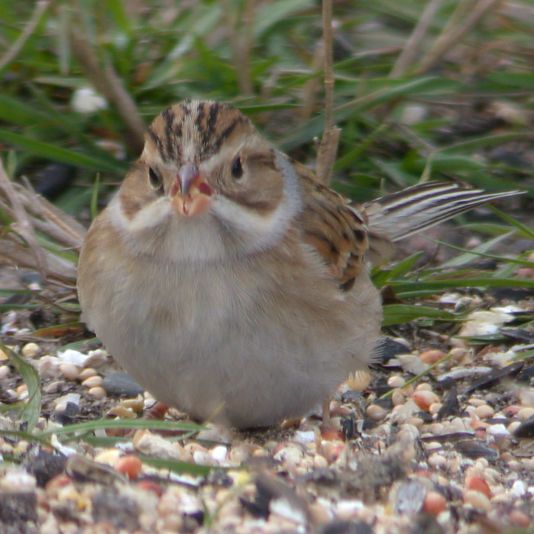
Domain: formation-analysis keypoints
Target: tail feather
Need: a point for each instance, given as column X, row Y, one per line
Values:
column 404, row 213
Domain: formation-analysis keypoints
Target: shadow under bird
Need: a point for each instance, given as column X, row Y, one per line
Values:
column 231, row 283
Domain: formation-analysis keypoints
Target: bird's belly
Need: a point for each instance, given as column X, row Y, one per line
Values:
column 235, row 352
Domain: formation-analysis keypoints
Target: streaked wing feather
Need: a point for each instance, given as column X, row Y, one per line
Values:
column 336, row 230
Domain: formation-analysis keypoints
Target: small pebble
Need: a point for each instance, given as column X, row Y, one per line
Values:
column 92, row 381
column 437, row 460
column 476, row 482
column 396, row 381
column 31, row 350
column 397, row 397
column 477, row 500
column 4, row 371
column 485, row 411
column 424, row 399
column 432, row 356
column 434, row 503
column 130, row 466
column 525, row 413
column 376, row 412
column 87, row 373
column 519, row 519
column 97, row 392
column 69, row 371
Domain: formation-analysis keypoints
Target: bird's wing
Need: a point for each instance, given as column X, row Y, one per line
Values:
column 336, row 230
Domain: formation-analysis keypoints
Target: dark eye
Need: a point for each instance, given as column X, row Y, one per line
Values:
column 155, row 179
column 237, row 168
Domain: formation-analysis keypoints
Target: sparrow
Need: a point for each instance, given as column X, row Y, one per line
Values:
column 229, row 281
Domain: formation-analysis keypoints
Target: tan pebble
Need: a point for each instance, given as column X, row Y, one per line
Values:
column 398, row 397
column 122, row 412
column 519, row 519
column 22, row 391
column 396, row 381
column 108, row 456
column 4, row 371
column 31, row 350
column 432, row 446
column 424, row 399
column 528, row 463
column 457, row 353
column 423, row 386
column 484, row 411
column 473, row 401
column 376, row 412
column 69, row 371
column 512, row 427
column 97, row 392
column 434, row 503
column 432, row 356
column 133, row 404
column 525, row 413
column 92, row 381
column 3, row 356
column 239, row 454
column 437, row 460
column 477, row 500
column 349, row 509
column 415, row 421
column 319, row 461
column 87, row 373
column 435, row 407
column 320, row 514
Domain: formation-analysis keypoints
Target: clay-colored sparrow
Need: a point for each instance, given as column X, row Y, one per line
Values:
column 229, row 282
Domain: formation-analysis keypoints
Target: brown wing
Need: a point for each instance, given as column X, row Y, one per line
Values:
column 334, row 229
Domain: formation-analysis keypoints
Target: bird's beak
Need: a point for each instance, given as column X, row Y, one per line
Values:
column 190, row 195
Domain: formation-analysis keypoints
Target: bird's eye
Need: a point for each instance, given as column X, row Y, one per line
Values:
column 237, row 168
column 155, row 179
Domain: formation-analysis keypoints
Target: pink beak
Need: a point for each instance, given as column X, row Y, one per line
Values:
column 190, row 195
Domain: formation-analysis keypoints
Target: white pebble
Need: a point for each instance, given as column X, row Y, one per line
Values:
column 218, row 453
column 304, row 437
column 4, row 371
column 73, row 356
column 86, row 100
column 518, row 489
column 437, row 460
column 396, row 381
column 348, row 509
column 31, row 350
column 17, row 480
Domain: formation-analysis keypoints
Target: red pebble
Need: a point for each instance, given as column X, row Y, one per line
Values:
column 478, row 483
column 434, row 503
column 129, row 465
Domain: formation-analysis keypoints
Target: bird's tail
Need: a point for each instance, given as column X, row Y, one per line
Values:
column 401, row 214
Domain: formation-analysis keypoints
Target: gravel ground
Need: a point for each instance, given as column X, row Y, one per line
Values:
column 451, row 451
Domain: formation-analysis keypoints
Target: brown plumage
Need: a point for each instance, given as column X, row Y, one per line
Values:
column 228, row 281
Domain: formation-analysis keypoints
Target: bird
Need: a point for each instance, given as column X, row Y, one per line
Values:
column 230, row 282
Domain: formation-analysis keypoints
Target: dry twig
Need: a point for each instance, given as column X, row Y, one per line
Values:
column 326, row 155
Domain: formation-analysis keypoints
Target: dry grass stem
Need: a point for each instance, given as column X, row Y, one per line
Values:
column 40, row 7
column 239, row 27
column 327, row 152
column 23, row 225
column 413, row 44
column 455, row 31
